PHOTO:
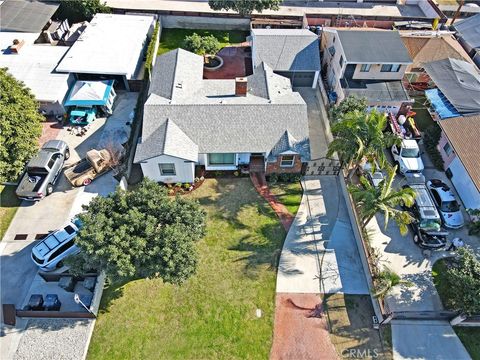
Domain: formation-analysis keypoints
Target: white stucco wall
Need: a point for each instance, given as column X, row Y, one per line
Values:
column 463, row 184
column 185, row 170
column 375, row 73
column 334, row 70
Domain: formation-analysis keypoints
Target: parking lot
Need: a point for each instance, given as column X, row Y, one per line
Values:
column 33, row 220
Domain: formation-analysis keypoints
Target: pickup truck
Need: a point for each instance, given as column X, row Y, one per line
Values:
column 407, row 157
column 92, row 166
column 42, row 171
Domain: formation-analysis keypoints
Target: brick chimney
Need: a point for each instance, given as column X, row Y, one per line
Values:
column 241, row 86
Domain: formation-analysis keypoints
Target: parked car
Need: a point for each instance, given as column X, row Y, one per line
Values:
column 447, row 205
column 86, row 170
column 56, row 246
column 374, row 177
column 427, row 227
column 407, row 157
column 41, row 172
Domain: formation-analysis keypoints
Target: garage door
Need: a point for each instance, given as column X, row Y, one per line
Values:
column 299, row 79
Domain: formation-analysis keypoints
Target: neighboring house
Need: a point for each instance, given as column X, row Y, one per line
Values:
column 219, row 124
column 457, row 88
column 111, row 47
column 293, row 53
column 468, row 34
column 367, row 63
column 427, row 48
column 35, row 66
column 459, row 149
column 27, row 16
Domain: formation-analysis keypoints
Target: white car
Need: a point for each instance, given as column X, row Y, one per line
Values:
column 56, row 246
column 374, row 177
column 447, row 205
column 407, row 157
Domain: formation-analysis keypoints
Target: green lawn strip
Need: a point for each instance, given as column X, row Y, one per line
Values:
column 173, row 38
column 422, row 119
column 470, row 337
column 289, row 194
column 212, row 315
column 9, row 204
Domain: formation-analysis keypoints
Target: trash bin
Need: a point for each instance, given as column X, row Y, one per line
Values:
column 52, row 303
column 35, row 302
column 67, row 283
column 89, row 283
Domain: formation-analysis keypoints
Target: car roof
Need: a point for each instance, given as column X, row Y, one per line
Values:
column 424, row 202
column 54, row 240
column 445, row 195
column 409, row 143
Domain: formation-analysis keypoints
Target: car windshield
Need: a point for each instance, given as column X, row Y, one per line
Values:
column 410, row 153
column 430, row 225
column 450, row 206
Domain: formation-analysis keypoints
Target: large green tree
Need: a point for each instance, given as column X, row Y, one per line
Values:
column 80, row 10
column 202, row 45
column 20, row 126
column 384, row 199
column 349, row 104
column 245, row 7
column 463, row 282
column 140, row 233
column 360, row 135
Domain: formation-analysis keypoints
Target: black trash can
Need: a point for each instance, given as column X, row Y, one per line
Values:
column 52, row 303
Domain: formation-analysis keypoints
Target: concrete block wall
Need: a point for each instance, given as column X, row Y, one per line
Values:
column 204, row 22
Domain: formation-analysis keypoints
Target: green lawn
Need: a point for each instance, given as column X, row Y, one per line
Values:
column 173, row 38
column 212, row 315
column 8, row 207
column 289, row 194
column 470, row 337
column 423, row 118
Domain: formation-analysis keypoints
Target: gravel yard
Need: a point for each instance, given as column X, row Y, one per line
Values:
column 35, row 345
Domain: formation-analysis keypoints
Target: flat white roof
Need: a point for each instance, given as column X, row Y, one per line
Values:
column 34, row 65
column 111, row 44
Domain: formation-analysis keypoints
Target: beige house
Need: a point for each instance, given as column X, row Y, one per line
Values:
column 366, row 63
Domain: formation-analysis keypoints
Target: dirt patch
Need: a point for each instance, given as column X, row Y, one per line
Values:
column 301, row 330
column 351, row 326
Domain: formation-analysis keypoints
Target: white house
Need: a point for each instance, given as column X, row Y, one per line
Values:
column 219, row 124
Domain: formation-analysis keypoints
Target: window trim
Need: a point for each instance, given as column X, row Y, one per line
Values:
column 447, row 148
column 391, row 67
column 168, row 174
column 365, row 68
column 291, row 163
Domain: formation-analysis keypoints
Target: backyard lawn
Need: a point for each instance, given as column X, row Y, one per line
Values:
column 212, row 315
column 470, row 337
column 8, row 207
column 173, row 38
column 289, row 194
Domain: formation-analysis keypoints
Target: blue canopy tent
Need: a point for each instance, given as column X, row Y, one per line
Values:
column 92, row 93
column 440, row 104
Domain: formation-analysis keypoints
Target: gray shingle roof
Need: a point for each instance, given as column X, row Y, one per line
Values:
column 216, row 120
column 167, row 139
column 286, row 49
column 376, row 46
column 288, row 143
column 26, row 16
column 469, row 30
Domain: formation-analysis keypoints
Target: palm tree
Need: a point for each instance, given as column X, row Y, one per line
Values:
column 385, row 281
column 385, row 199
column 360, row 135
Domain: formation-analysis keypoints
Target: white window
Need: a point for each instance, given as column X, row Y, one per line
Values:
column 221, row 159
column 390, row 68
column 287, row 160
column 167, row 169
column 365, row 67
column 448, row 149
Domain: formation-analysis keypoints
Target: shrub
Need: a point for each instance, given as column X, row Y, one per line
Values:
column 431, row 138
column 284, row 178
column 178, row 184
column 202, row 45
column 186, row 185
column 151, row 49
column 273, row 178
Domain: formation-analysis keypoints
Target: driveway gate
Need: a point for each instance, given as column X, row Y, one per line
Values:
column 323, row 166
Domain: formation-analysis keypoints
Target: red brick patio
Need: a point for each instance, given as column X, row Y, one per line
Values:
column 237, row 62
column 50, row 129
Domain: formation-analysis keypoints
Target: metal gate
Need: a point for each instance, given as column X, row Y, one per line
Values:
column 323, row 166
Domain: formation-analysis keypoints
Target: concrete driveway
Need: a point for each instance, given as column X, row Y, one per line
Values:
column 430, row 340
